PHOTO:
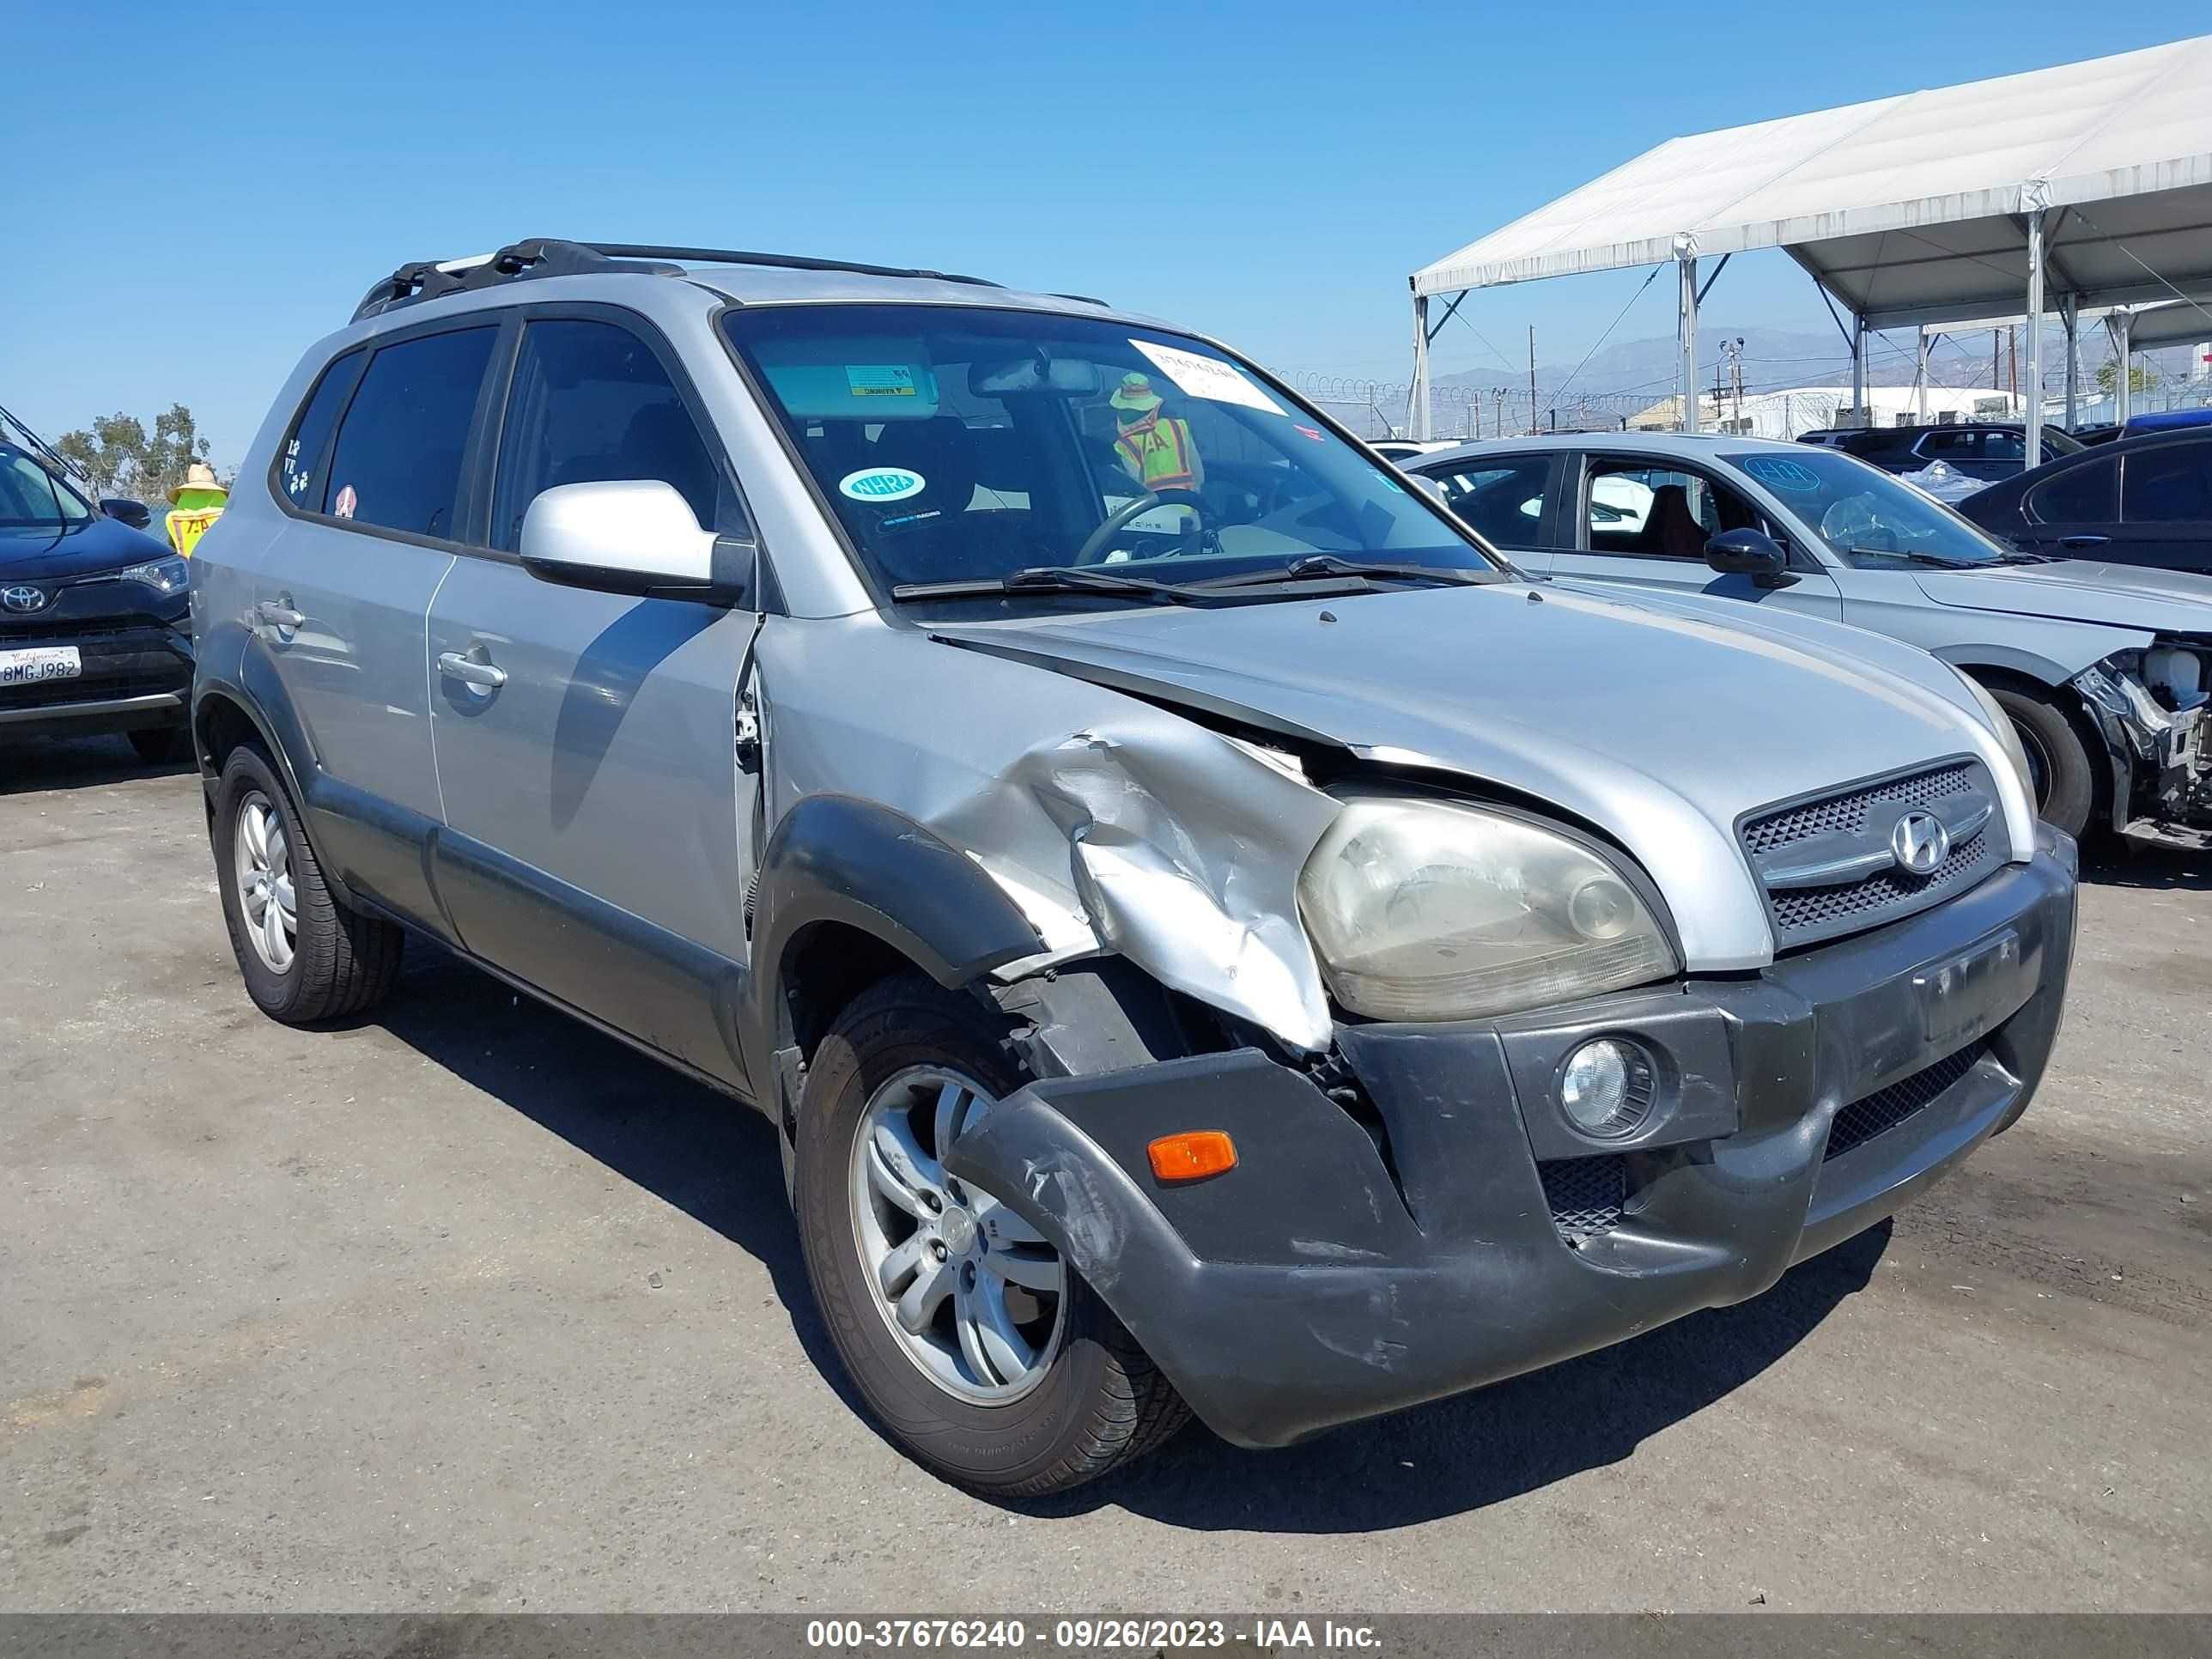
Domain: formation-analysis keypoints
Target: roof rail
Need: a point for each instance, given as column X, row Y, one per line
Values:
column 430, row 279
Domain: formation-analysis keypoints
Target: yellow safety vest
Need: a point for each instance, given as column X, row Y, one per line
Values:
column 186, row 525
column 1157, row 454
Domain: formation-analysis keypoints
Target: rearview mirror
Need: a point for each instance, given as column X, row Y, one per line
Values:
column 124, row 510
column 1752, row 553
column 629, row 536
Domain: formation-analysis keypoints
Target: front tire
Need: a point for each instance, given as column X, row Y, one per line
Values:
column 304, row 958
column 985, row 1357
column 2065, row 779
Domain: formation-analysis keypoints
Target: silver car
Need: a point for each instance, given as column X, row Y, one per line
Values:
column 1209, row 938
column 2104, row 669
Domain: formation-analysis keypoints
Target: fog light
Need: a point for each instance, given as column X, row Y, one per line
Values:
column 1605, row 1087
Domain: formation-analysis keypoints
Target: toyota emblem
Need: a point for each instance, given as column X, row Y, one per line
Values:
column 1920, row 843
column 23, row 599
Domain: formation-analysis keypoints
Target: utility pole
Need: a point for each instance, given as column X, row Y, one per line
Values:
column 2012, row 362
column 1996, row 370
column 1532, row 379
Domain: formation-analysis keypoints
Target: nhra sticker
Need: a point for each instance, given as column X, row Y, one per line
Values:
column 882, row 483
column 346, row 502
column 880, row 380
column 1778, row 472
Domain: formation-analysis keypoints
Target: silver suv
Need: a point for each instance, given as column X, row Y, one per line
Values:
column 1210, row 938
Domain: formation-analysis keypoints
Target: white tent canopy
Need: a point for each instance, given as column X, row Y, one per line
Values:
column 2179, row 324
column 2092, row 181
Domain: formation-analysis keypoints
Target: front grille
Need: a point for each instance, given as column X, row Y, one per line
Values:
column 1863, row 1120
column 1860, row 820
column 1586, row 1193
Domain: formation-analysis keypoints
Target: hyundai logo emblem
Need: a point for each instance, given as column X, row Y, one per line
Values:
column 23, row 599
column 1920, row 843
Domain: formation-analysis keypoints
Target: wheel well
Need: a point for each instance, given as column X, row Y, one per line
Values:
column 221, row 726
column 824, row 967
column 2067, row 701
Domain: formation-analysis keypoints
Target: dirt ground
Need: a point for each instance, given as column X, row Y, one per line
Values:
column 468, row 1308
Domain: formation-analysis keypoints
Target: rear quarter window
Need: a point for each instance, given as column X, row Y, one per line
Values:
column 301, row 464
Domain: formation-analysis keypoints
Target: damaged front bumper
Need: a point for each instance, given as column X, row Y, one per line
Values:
column 1434, row 1223
column 2160, row 758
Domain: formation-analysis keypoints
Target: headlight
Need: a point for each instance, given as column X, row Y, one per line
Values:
column 168, row 575
column 1425, row 910
column 2007, row 734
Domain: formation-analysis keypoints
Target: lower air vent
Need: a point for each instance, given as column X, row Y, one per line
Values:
column 1863, row 1120
column 1586, row 1193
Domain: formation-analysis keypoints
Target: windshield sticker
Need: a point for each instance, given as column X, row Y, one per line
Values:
column 882, row 483
column 1778, row 472
column 1208, row 377
column 1313, row 432
column 346, row 502
column 880, row 380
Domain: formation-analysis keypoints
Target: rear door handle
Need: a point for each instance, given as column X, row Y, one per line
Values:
column 455, row 665
column 2084, row 541
column 280, row 616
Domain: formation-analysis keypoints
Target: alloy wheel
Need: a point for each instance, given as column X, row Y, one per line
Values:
column 974, row 1296
column 263, row 856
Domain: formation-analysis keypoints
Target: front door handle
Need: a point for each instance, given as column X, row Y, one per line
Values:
column 471, row 669
column 280, row 614
column 2084, row 541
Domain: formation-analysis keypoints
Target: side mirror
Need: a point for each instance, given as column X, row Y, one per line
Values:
column 629, row 536
column 137, row 514
column 1752, row 553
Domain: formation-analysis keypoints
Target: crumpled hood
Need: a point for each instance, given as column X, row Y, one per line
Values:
column 1661, row 720
column 2081, row 589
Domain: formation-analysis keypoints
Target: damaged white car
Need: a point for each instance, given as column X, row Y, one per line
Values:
column 1210, row 937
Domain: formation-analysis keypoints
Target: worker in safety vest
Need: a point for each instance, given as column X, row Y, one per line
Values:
column 195, row 504
column 1155, row 448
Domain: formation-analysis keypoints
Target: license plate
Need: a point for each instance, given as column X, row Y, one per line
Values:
column 1962, row 997
column 43, row 662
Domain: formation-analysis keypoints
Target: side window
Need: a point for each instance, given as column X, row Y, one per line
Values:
column 301, row 473
column 397, row 462
column 2080, row 494
column 1503, row 501
column 1644, row 511
column 2172, row 485
column 1949, row 446
column 590, row 402
column 2004, row 447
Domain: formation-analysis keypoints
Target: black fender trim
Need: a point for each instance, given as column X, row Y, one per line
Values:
column 838, row 859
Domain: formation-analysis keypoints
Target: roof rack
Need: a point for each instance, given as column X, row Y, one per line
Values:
column 429, row 279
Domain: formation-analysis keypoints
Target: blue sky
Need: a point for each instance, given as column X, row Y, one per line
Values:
column 1268, row 173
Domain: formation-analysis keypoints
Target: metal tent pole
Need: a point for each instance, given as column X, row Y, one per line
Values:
column 2034, row 410
column 1859, row 369
column 2121, row 325
column 1418, row 415
column 1920, row 380
column 1685, row 258
column 2071, row 309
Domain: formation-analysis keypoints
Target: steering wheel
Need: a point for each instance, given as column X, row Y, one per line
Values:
column 1093, row 550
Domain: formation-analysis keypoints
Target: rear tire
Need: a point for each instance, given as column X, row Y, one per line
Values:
column 313, row 960
column 2065, row 778
column 1091, row 1400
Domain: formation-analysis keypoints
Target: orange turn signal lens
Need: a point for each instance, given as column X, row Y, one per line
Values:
column 1192, row 1154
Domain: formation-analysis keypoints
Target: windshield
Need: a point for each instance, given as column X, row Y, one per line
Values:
column 960, row 445
column 1866, row 517
column 34, row 505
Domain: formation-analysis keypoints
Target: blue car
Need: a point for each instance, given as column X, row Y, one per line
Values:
column 95, row 633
